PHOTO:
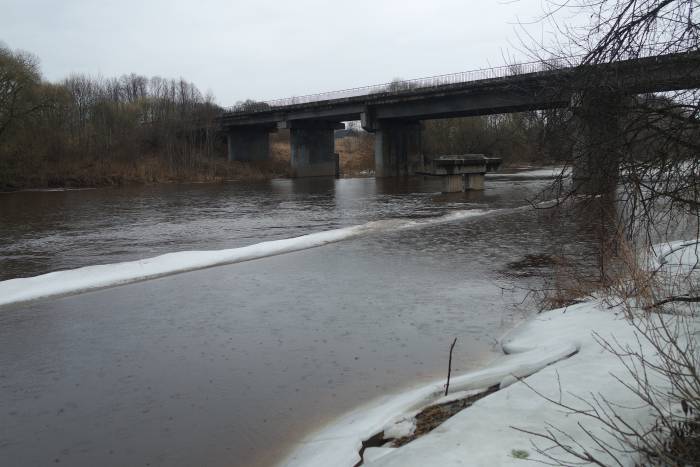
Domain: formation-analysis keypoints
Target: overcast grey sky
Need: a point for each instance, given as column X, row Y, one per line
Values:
column 264, row 49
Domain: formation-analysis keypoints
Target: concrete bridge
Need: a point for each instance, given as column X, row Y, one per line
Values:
column 394, row 111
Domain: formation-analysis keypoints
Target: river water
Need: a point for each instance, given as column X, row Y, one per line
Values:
column 233, row 365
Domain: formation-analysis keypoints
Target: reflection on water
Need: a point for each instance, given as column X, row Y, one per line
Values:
column 231, row 365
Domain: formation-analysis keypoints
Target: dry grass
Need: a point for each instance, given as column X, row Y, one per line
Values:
column 631, row 281
column 567, row 287
column 622, row 279
column 433, row 416
column 356, row 154
column 427, row 420
column 95, row 173
column 279, row 146
column 564, row 284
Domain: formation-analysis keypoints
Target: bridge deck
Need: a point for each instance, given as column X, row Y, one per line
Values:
column 499, row 90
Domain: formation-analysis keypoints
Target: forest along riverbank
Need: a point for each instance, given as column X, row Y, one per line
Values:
column 240, row 361
column 87, row 131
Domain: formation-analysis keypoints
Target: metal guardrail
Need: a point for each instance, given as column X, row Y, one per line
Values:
column 399, row 86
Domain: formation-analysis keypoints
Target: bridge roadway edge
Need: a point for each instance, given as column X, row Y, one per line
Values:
column 395, row 116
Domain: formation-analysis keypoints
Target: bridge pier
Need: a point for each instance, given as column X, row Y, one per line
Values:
column 463, row 172
column 313, row 148
column 249, row 143
column 397, row 148
column 598, row 143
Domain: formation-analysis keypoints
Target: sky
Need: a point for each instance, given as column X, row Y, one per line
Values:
column 265, row 49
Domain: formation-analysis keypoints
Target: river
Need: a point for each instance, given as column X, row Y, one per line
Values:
column 233, row 365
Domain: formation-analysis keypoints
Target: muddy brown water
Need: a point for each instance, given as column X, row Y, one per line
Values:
column 231, row 366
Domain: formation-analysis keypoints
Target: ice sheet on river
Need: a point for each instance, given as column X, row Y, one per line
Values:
column 547, row 173
column 100, row 276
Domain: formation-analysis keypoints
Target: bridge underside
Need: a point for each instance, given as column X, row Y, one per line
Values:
column 397, row 127
column 395, row 117
column 313, row 148
column 397, row 148
column 248, row 143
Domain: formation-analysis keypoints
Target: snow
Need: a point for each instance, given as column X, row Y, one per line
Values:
column 45, row 190
column 681, row 256
column 547, row 173
column 79, row 280
column 372, row 454
column 339, row 443
column 400, row 429
column 99, row 276
column 458, row 395
column 553, row 354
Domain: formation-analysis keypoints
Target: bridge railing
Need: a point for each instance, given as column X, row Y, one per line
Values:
column 398, row 86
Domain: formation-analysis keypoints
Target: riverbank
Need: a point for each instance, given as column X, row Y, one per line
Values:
column 104, row 173
column 553, row 359
column 356, row 160
column 356, row 156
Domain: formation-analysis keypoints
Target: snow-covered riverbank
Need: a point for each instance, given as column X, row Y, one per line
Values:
column 558, row 355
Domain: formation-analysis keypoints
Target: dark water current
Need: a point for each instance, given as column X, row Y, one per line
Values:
column 230, row 366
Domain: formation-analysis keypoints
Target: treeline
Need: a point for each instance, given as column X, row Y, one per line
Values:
column 90, row 131
column 651, row 127
column 525, row 137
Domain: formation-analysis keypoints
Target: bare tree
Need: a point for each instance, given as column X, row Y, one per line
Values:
column 399, row 84
column 19, row 82
column 642, row 151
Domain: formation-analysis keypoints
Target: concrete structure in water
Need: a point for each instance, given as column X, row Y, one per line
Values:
column 393, row 112
column 463, row 172
column 313, row 147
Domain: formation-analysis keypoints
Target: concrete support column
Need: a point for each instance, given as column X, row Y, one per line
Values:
column 313, row 148
column 453, row 183
column 248, row 143
column 397, row 148
column 474, row 181
column 462, row 182
column 598, row 144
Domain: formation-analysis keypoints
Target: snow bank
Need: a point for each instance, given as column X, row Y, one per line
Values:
column 482, row 434
column 553, row 172
column 559, row 357
column 339, row 443
column 100, row 276
column 681, row 256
